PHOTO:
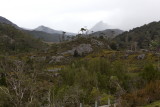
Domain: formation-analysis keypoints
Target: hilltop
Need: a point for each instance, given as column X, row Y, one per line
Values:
column 50, row 31
column 100, row 26
column 6, row 21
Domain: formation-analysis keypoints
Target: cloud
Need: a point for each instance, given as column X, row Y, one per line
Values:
column 70, row 15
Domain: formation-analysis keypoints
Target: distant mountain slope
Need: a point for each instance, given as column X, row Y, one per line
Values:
column 44, row 36
column 140, row 36
column 13, row 41
column 44, row 33
column 6, row 21
column 51, row 31
column 111, row 33
column 100, row 26
column 47, row 34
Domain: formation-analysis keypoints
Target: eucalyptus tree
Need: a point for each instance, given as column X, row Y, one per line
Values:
column 84, row 31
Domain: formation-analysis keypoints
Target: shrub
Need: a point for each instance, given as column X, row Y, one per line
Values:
column 143, row 96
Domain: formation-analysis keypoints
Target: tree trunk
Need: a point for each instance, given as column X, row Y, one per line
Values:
column 96, row 104
column 80, row 104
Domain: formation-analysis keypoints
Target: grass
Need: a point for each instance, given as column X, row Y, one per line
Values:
column 155, row 104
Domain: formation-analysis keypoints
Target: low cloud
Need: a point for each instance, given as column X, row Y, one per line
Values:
column 70, row 15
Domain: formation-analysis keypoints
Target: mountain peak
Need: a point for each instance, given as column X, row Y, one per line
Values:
column 42, row 27
column 100, row 22
column 45, row 29
column 50, row 31
column 100, row 26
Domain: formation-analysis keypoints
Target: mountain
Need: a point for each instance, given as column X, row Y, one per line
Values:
column 47, row 37
column 47, row 34
column 111, row 33
column 6, row 21
column 51, row 31
column 100, row 26
column 14, row 41
column 143, row 37
column 47, row 30
column 44, row 33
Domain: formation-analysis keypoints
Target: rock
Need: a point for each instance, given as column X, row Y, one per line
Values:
column 18, row 62
column 142, row 56
column 157, row 54
column 54, row 70
column 32, row 57
column 43, row 58
column 125, row 56
column 96, row 42
column 129, row 52
column 38, row 58
column 56, row 59
column 81, row 49
column 144, row 50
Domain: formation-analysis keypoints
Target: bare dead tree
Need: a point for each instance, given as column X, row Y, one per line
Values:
column 63, row 36
column 20, row 87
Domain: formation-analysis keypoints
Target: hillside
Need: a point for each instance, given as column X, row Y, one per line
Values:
column 6, row 21
column 47, row 37
column 44, row 33
column 143, row 37
column 73, row 70
column 110, row 33
column 47, row 34
column 84, row 70
column 100, row 26
column 51, row 31
column 13, row 40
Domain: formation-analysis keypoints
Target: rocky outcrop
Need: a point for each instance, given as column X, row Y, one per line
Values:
column 142, row 56
column 81, row 49
column 38, row 58
column 97, row 43
column 56, row 59
column 129, row 52
column 54, row 70
column 144, row 50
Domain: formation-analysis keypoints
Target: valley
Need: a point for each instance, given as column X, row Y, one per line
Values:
column 44, row 69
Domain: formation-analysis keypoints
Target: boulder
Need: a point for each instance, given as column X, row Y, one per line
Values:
column 56, row 59
column 81, row 49
column 129, row 52
column 32, row 57
column 97, row 43
column 142, row 56
column 54, row 70
column 144, row 50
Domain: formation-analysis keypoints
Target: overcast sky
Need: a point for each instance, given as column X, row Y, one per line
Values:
column 71, row 15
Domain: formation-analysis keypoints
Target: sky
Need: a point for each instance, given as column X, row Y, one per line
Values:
column 71, row 15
